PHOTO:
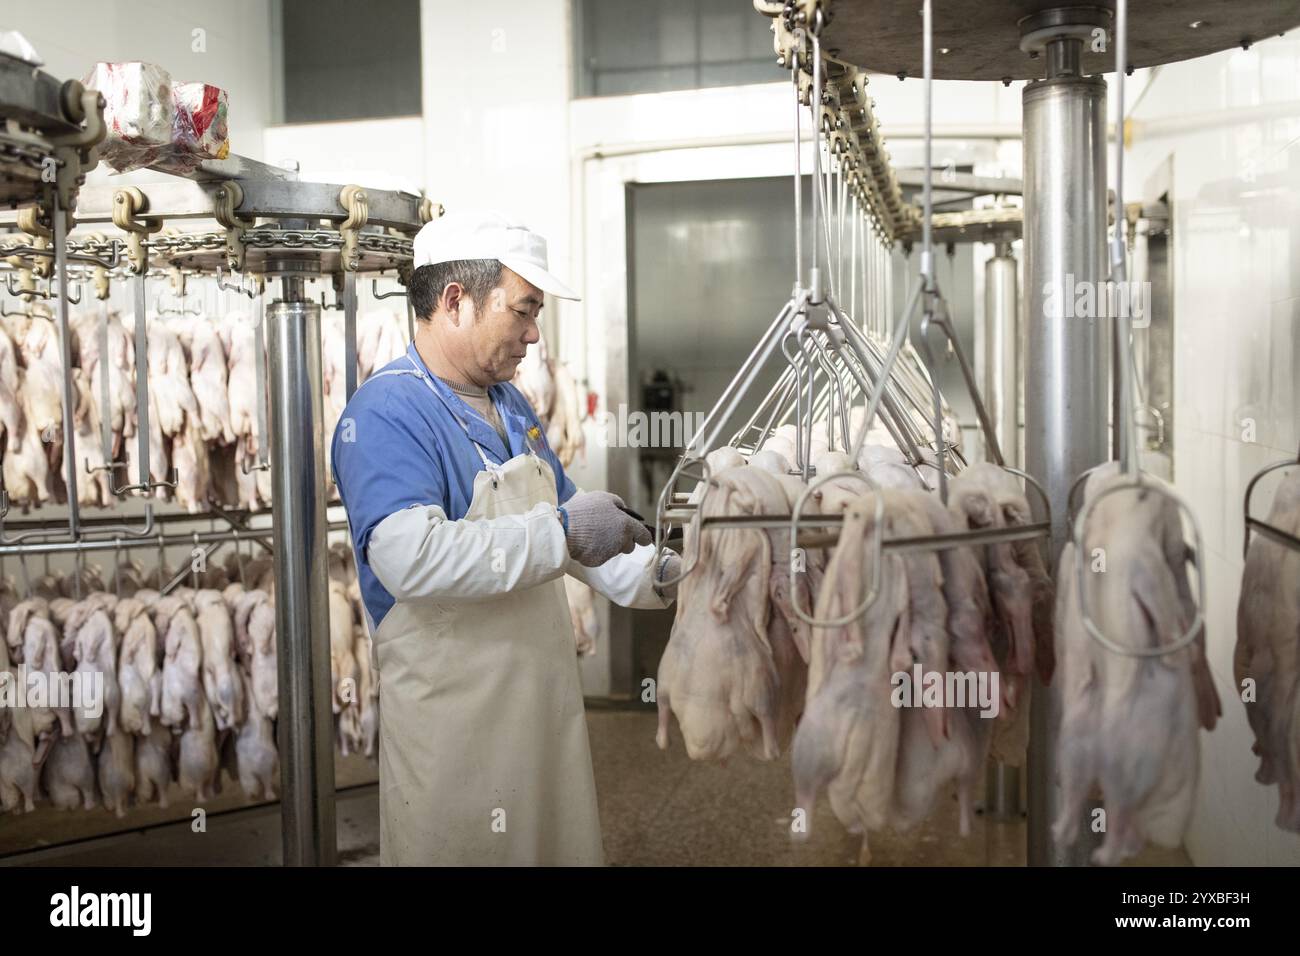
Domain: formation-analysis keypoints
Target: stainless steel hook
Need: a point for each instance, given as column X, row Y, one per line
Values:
column 1197, row 555
column 237, row 286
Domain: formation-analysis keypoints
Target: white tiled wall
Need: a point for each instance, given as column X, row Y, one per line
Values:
column 1231, row 123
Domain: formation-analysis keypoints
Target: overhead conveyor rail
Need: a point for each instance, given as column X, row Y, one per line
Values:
column 902, row 393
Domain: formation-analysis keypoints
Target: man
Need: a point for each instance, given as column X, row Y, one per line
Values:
column 463, row 523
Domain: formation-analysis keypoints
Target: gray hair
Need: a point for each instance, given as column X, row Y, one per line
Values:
column 478, row 277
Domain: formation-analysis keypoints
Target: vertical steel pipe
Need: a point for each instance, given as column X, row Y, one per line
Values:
column 70, row 465
column 1066, row 355
column 306, row 731
column 1002, row 350
column 349, row 334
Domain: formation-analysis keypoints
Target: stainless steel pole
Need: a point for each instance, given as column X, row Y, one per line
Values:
column 1002, row 348
column 1066, row 355
column 306, row 732
column 1001, row 392
column 69, row 435
column 349, row 334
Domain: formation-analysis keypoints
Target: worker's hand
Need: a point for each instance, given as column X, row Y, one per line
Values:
column 597, row 530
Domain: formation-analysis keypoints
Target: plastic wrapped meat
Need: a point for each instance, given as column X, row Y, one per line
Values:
column 154, row 122
column 138, row 111
column 200, row 124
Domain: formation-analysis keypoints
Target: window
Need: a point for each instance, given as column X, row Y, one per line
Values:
column 344, row 60
column 650, row 46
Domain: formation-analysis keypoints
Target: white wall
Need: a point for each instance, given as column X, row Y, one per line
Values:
column 496, row 89
column 380, row 154
column 236, row 55
column 1231, row 123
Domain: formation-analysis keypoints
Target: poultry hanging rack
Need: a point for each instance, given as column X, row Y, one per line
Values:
column 1130, row 472
column 834, row 334
column 361, row 242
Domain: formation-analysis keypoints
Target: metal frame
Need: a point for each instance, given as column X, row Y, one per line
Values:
column 818, row 339
column 288, row 373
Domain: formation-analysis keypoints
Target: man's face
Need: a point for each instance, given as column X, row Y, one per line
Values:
column 504, row 326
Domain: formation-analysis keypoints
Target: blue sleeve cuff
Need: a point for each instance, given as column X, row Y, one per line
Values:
column 564, row 519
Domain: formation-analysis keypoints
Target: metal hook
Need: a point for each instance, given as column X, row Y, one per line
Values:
column 145, row 485
column 1269, row 531
column 375, row 293
column 661, row 536
column 248, row 470
column 181, row 310
column 874, row 591
column 1197, row 553
column 237, row 286
column 239, row 556
column 20, row 291
column 28, row 313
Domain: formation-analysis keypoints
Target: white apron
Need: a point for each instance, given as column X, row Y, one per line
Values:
column 483, row 752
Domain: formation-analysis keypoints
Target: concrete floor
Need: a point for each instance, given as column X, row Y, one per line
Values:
column 657, row 809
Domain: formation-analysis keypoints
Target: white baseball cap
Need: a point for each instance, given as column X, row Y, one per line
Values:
column 483, row 234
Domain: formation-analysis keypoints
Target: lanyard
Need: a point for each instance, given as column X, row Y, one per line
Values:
column 488, row 463
column 493, row 469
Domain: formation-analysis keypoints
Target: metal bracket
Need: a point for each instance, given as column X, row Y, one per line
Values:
column 228, row 197
column 75, row 152
column 128, row 202
column 353, row 201
column 29, row 221
column 100, row 269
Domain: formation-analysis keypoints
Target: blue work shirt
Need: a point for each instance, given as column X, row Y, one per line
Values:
column 398, row 444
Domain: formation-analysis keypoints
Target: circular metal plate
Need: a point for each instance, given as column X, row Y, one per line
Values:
column 983, row 39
